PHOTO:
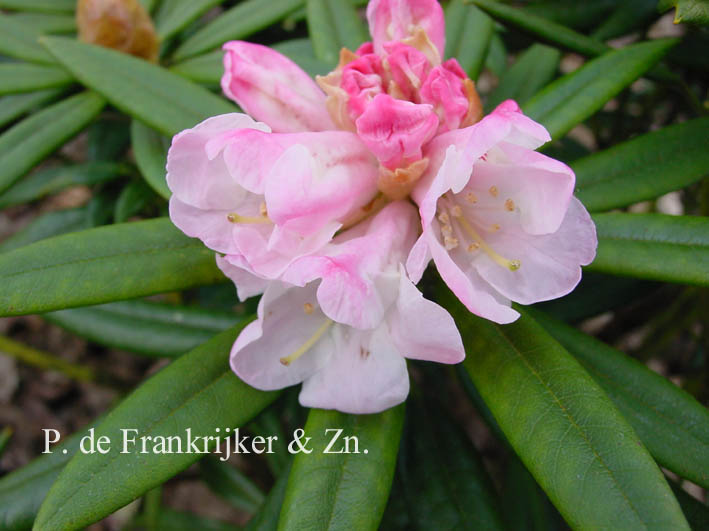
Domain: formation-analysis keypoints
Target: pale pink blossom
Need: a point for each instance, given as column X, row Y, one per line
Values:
column 347, row 326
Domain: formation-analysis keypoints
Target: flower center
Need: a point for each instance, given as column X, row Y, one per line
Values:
column 287, row 360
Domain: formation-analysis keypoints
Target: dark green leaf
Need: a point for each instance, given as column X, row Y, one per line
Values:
column 565, row 429
column 30, row 141
column 167, row 519
column 20, row 41
column 197, row 391
column 542, row 28
column 577, row 15
column 333, row 24
column 146, row 91
column 443, row 477
column 101, row 265
column 52, row 180
column 238, row 22
column 671, row 423
column 150, row 151
column 175, row 15
column 692, row 11
column 49, row 23
column 343, row 490
column 231, row 484
column 645, row 167
column 468, row 34
column 40, row 6
column 16, row 105
column 133, row 198
column 109, row 137
column 46, row 226
column 496, row 60
column 533, row 69
column 571, row 99
column 654, row 247
column 696, row 512
column 150, row 328
column 266, row 519
column 627, row 16
column 526, row 506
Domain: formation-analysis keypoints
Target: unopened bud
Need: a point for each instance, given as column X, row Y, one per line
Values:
column 123, row 25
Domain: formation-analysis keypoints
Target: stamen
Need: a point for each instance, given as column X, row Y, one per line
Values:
column 471, row 198
column 456, row 211
column 510, row 205
column 473, row 247
column 444, row 218
column 493, row 191
column 512, row 265
column 306, row 346
column 236, row 218
column 308, row 308
column 262, row 209
column 495, row 227
column 446, row 230
column 450, row 242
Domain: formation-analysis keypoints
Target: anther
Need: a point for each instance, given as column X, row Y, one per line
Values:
column 495, row 227
column 444, row 218
column 509, row 205
column 308, row 308
column 473, row 247
column 233, row 217
column 450, row 242
column 493, row 191
column 457, row 211
column 471, row 198
column 262, row 209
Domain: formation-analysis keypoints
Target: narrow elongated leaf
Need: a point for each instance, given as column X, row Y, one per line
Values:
column 148, row 92
column 150, row 151
column 533, row 69
column 101, row 265
column 692, row 11
column 16, row 105
column 333, row 24
column 578, row 15
column 52, row 180
column 670, row 422
column 565, row 429
column 266, row 519
column 542, row 28
column 231, row 484
column 150, row 328
column 330, row 490
column 40, row 6
column 23, row 490
column 443, row 477
column 571, row 99
column 469, row 31
column 645, row 167
column 20, row 41
column 198, row 391
column 46, row 226
column 174, row 15
column 238, row 22
column 132, row 199
column 46, row 23
column 29, row 141
column 654, row 247
column 627, row 16
column 496, row 60
column 179, row 521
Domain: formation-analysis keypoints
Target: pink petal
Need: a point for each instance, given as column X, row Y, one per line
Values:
column 395, row 130
column 282, row 328
column 423, row 330
column 444, row 90
column 394, row 20
column 210, row 226
column 247, row 284
column 366, row 374
column 409, row 68
column 272, row 88
column 551, row 264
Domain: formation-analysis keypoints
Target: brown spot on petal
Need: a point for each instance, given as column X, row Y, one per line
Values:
column 475, row 106
column 122, row 25
column 364, row 353
column 336, row 102
column 397, row 184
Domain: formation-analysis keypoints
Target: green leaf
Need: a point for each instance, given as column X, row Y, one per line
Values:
column 20, row 41
column 577, row 15
column 51, row 180
column 301, row 52
column 197, row 391
column 240, row 21
column 526, row 506
column 231, row 484
column 101, row 265
column 30, row 141
column 496, row 60
column 132, row 199
column 150, row 328
column 696, row 512
column 48, row 23
column 468, row 34
column 645, row 167
column 670, row 422
column 16, row 105
column 109, row 137
column 333, row 24
column 40, row 6
column 23, row 490
column 175, row 15
column 46, row 226
column 534, row 68
column 150, row 152
column 571, row 99
column 653, row 246
column 343, row 490
column 692, row 11
column 542, row 28
column 443, row 477
column 179, row 521
column 266, row 519
column 565, row 429
column 628, row 16
column 162, row 100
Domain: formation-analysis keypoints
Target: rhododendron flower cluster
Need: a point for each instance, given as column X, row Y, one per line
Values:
column 331, row 197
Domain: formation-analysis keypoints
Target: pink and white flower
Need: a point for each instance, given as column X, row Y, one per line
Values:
column 311, row 207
